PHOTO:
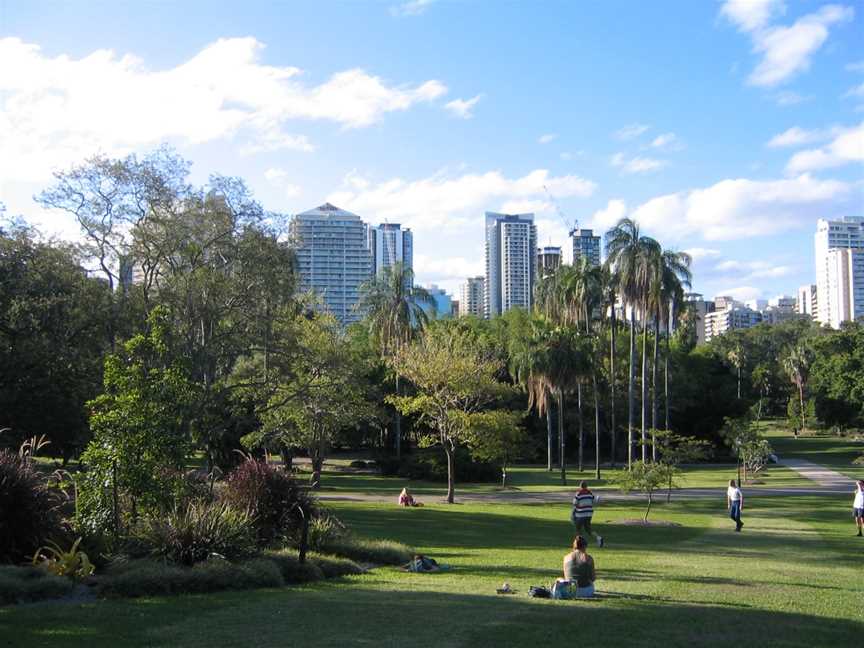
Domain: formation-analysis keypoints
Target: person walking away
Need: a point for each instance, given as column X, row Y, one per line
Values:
column 583, row 511
column 735, row 503
column 858, row 506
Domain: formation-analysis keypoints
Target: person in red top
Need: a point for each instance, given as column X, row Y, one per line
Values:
column 583, row 511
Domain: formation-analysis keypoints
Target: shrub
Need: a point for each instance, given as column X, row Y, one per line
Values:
column 325, row 529
column 192, row 533
column 74, row 563
column 334, row 566
column 29, row 509
column 275, row 501
column 20, row 584
column 357, row 463
column 379, row 552
column 292, row 570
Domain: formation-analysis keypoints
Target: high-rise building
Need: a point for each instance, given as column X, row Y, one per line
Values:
column 471, row 297
column 722, row 302
column 720, row 321
column 845, row 285
column 388, row 244
column 699, row 308
column 586, row 245
column 511, row 267
column 332, row 257
column 807, row 303
column 548, row 260
column 756, row 304
column 443, row 303
column 846, row 233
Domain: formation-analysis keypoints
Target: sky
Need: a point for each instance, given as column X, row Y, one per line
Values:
column 725, row 129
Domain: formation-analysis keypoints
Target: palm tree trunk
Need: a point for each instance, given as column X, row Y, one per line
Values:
column 561, row 437
column 596, row 427
column 612, row 429
column 451, row 472
column 549, row 435
column 644, row 401
column 801, row 401
column 666, row 371
column 631, row 388
column 398, row 425
column 654, row 390
column 581, row 426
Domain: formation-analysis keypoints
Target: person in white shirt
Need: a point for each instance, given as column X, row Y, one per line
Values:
column 858, row 506
column 735, row 503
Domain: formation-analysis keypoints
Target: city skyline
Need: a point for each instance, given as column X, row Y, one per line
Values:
column 701, row 128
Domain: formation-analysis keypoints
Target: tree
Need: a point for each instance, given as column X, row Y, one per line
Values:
column 393, row 308
column 498, row 436
column 456, row 379
column 608, row 299
column 751, row 449
column 645, row 478
column 676, row 450
column 737, row 356
column 797, row 364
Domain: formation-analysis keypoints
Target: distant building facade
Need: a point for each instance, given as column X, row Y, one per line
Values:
column 807, row 303
column 736, row 317
column 699, row 307
column 511, row 268
column 333, row 257
column 388, row 243
column 471, row 297
column 831, row 287
column 585, row 245
column 548, row 260
column 443, row 303
column 845, row 283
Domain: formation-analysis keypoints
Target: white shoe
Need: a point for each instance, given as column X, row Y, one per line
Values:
column 599, row 541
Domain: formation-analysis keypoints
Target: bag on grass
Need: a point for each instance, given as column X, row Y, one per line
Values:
column 539, row 592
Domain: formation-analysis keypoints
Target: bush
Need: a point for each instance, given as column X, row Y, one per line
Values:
column 192, row 533
column 29, row 509
column 275, row 501
column 325, row 529
column 358, row 463
column 432, row 466
column 334, row 566
column 378, row 552
column 25, row 584
column 292, row 570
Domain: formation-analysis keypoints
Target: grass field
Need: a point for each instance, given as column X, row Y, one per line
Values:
column 792, row 578
column 837, row 453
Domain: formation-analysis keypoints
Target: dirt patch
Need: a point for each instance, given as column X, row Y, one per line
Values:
column 643, row 523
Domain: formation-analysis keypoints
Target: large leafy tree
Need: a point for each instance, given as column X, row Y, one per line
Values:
column 456, row 378
column 393, row 307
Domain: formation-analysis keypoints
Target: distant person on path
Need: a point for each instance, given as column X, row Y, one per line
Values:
column 735, row 503
column 858, row 506
column 579, row 573
column 583, row 511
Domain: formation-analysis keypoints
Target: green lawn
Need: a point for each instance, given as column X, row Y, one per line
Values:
column 830, row 451
column 792, row 578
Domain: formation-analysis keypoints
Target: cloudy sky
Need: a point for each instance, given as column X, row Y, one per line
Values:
column 725, row 128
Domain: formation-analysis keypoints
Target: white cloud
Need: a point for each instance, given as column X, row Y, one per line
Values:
column 608, row 217
column 279, row 178
column 462, row 108
column 637, row 164
column 667, row 142
column 631, row 131
column 741, row 293
column 789, row 98
column 438, row 269
column 446, row 200
column 57, row 110
column 785, row 50
column 846, row 147
column 548, row 137
column 412, row 8
column 749, row 270
column 858, row 66
column 699, row 253
column 796, row 136
column 855, row 91
column 571, row 155
column 743, row 208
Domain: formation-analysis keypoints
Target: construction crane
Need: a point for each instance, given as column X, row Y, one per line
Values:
column 571, row 226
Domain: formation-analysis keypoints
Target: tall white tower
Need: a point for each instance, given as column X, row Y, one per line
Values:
column 511, row 248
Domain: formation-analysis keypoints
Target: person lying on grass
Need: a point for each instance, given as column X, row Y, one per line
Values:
column 579, row 573
column 422, row 564
column 406, row 499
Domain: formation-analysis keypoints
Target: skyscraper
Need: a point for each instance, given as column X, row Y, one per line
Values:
column 807, row 303
column 443, row 303
column 845, row 285
column 846, row 233
column 471, row 297
column 511, row 246
column 332, row 257
column 548, row 260
column 586, row 245
column 389, row 243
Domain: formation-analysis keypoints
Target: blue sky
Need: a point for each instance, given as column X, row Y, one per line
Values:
column 725, row 128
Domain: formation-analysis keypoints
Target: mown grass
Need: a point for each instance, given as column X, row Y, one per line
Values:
column 792, row 578
column 837, row 453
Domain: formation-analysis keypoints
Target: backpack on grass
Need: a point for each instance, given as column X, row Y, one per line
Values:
column 539, row 592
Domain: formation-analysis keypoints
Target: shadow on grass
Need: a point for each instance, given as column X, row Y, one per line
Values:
column 337, row 616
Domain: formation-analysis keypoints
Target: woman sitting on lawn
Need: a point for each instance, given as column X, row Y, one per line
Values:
column 578, row 570
column 405, row 499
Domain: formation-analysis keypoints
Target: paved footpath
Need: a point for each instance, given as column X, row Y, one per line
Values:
column 820, row 474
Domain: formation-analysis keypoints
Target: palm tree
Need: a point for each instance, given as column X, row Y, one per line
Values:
column 609, row 297
column 548, row 303
column 628, row 253
column 675, row 280
column 797, row 365
column 393, row 307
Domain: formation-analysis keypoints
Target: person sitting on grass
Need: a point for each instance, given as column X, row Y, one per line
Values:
column 406, row 499
column 858, row 506
column 579, row 573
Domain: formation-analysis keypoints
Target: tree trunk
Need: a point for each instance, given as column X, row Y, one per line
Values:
column 612, row 429
column 654, row 391
column 397, row 424
column 561, row 448
column 648, row 510
column 596, row 428
column 666, row 371
column 631, row 388
column 669, row 490
column 644, row 390
column 317, row 466
column 451, row 471
column 738, row 366
column 549, row 436
column 287, row 458
column 801, row 400
column 581, row 424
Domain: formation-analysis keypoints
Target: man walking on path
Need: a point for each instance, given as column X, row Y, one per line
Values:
column 583, row 510
column 735, row 503
column 858, row 506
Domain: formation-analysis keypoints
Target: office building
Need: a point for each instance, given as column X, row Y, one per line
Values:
column 807, row 302
column 443, row 303
column 471, row 297
column 736, row 317
column 722, row 302
column 511, row 248
column 756, row 304
column 586, row 245
column 332, row 257
column 845, row 283
column 548, row 260
column 388, row 244
column 699, row 307
column 846, row 234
